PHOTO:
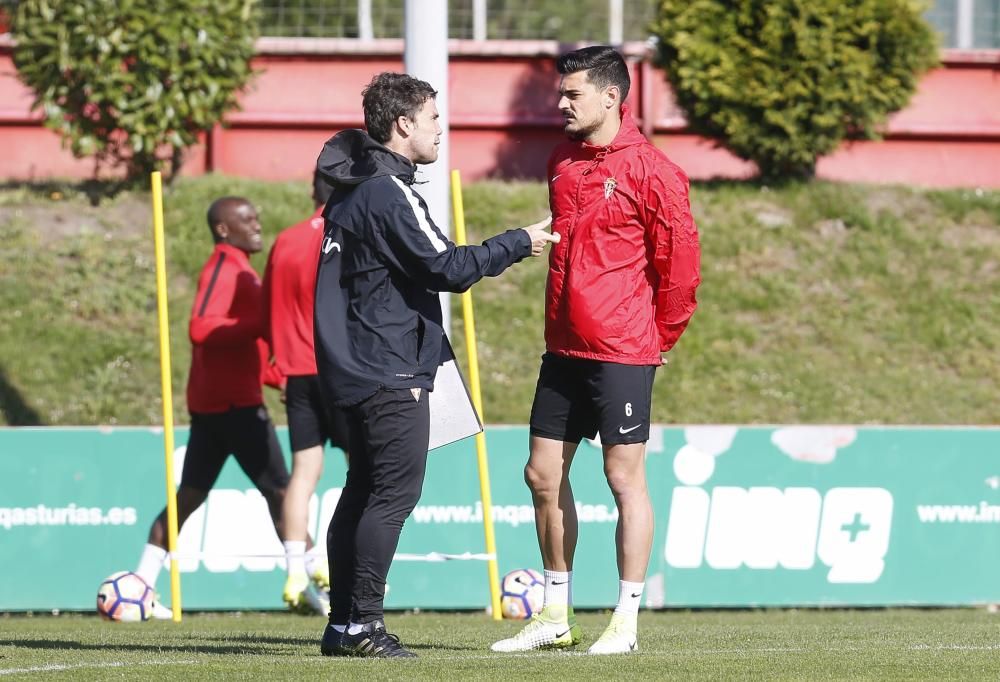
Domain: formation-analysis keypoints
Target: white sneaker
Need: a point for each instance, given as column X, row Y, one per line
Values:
column 160, row 612
column 305, row 596
column 317, row 599
column 543, row 632
column 619, row 637
column 295, row 589
column 319, row 573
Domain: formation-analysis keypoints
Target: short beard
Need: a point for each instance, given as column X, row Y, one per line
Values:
column 582, row 134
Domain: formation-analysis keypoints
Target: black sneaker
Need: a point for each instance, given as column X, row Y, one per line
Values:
column 373, row 642
column 330, row 646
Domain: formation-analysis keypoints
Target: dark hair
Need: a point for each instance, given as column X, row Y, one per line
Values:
column 217, row 210
column 604, row 66
column 389, row 96
column 321, row 189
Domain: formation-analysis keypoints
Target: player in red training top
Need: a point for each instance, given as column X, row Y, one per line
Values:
column 228, row 365
column 289, row 292
column 620, row 290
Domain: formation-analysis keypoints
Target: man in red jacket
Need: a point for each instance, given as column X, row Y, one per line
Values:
column 620, row 290
column 228, row 365
column 289, row 292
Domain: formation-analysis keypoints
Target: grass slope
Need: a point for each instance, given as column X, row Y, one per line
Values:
column 820, row 302
column 814, row 645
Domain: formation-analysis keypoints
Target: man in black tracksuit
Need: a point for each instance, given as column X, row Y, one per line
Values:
column 379, row 338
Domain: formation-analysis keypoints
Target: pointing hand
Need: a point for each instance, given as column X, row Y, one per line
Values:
column 539, row 236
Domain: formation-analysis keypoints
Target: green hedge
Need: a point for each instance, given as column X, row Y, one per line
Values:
column 129, row 84
column 783, row 82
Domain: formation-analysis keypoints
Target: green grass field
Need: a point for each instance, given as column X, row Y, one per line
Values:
column 808, row 645
column 821, row 303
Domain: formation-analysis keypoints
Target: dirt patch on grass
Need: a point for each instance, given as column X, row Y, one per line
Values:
column 126, row 216
column 769, row 215
column 769, row 259
column 896, row 202
column 833, row 230
column 971, row 236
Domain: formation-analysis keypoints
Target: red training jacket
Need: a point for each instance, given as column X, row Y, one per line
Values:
column 228, row 355
column 289, row 291
column 622, row 279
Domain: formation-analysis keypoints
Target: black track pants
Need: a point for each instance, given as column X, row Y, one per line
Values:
column 389, row 433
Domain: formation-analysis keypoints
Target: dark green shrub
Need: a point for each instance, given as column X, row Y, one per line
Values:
column 133, row 82
column 783, row 82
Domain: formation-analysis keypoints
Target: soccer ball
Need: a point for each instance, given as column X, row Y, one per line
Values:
column 125, row 597
column 522, row 593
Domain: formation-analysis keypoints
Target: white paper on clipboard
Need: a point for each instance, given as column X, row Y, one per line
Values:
column 453, row 416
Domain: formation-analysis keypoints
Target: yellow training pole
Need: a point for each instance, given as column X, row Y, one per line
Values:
column 477, row 400
column 168, row 400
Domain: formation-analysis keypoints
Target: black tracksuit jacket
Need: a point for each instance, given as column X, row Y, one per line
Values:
column 383, row 262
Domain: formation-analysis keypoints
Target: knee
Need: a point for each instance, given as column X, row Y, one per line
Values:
column 188, row 501
column 275, row 498
column 406, row 503
column 393, row 505
column 624, row 482
column 542, row 482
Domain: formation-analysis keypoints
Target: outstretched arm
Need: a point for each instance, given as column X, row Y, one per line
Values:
column 418, row 248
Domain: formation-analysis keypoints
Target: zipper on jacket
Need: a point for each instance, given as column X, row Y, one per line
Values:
column 583, row 176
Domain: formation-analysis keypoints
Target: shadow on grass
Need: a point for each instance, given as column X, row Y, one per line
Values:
column 14, row 408
column 94, row 190
column 438, row 646
column 310, row 641
column 210, row 649
column 257, row 639
column 753, row 182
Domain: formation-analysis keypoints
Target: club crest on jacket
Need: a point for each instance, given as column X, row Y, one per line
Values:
column 609, row 187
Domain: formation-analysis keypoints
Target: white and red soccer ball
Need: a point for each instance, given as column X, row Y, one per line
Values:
column 125, row 597
column 522, row 593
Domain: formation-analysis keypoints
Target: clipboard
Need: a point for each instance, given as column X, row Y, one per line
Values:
column 453, row 416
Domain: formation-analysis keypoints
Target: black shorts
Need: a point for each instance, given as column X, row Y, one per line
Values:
column 245, row 432
column 576, row 399
column 310, row 421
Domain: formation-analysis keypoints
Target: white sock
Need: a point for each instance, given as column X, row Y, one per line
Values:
column 353, row 628
column 629, row 596
column 294, row 555
column 151, row 563
column 339, row 628
column 558, row 588
column 316, row 556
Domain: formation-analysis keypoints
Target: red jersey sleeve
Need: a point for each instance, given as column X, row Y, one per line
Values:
column 677, row 254
column 266, row 296
column 270, row 375
column 211, row 321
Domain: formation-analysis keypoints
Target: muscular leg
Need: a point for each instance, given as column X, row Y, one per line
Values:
column 547, row 475
column 275, row 504
column 307, row 466
column 625, row 469
column 188, row 500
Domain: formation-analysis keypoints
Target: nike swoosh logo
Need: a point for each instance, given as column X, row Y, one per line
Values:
column 622, row 430
column 562, row 583
column 562, row 634
column 636, row 594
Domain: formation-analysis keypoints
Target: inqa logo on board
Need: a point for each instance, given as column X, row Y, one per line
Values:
column 233, row 531
column 767, row 528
